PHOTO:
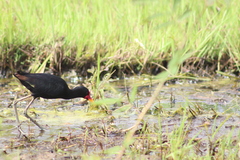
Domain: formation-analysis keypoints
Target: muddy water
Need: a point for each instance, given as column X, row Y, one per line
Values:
column 221, row 95
column 63, row 118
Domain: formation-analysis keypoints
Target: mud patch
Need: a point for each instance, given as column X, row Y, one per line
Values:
column 153, row 138
column 202, row 118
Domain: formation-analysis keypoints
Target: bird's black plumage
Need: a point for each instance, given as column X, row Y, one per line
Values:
column 46, row 86
column 50, row 86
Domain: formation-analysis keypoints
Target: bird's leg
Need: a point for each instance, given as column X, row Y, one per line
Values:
column 16, row 112
column 31, row 119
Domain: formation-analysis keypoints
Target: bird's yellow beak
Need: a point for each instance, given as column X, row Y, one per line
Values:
column 91, row 100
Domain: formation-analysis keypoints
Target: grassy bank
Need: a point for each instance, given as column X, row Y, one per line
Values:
column 130, row 36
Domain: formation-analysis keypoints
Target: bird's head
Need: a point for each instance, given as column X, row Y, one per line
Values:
column 83, row 92
column 88, row 97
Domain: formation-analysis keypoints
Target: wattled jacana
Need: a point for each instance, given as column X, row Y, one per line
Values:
column 49, row 87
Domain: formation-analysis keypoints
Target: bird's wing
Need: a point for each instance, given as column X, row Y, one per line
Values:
column 47, row 86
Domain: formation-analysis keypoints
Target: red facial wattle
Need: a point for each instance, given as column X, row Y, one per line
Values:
column 88, row 97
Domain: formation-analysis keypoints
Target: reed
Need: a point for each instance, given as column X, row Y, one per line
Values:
column 123, row 32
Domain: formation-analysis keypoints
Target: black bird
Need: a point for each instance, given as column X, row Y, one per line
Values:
column 49, row 87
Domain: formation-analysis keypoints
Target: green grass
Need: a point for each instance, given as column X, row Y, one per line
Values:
column 122, row 32
column 127, row 34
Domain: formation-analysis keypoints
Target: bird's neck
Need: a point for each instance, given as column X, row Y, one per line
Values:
column 75, row 93
column 71, row 94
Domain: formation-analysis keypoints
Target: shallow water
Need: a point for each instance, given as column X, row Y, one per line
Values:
column 67, row 117
column 221, row 95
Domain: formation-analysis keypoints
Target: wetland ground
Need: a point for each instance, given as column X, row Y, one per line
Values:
column 183, row 44
column 207, row 114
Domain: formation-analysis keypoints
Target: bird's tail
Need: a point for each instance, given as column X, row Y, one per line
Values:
column 20, row 75
column 23, row 78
